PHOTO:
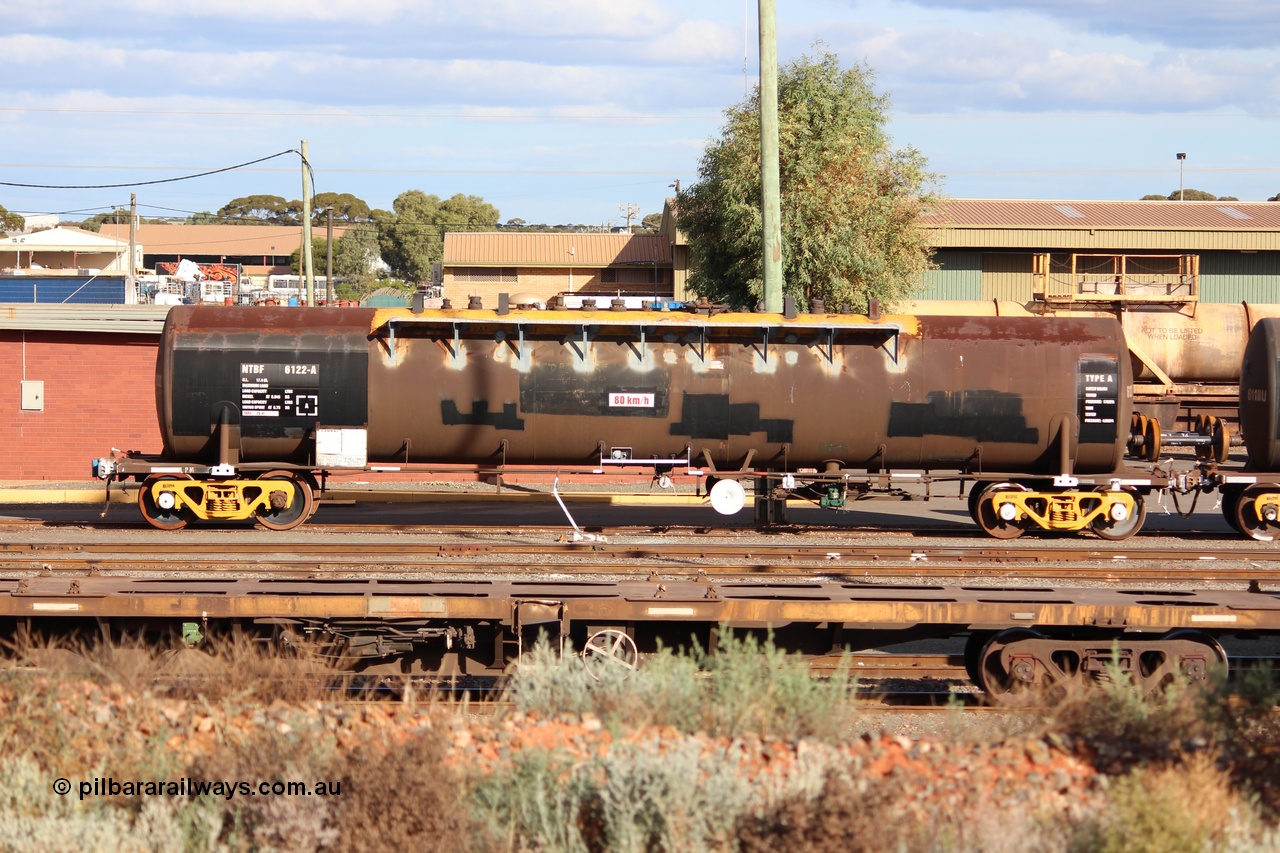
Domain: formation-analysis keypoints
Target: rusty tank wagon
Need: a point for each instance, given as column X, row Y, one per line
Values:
column 256, row 404
column 1251, row 498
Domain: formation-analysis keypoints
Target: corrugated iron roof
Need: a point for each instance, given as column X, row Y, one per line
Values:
column 216, row 239
column 553, row 249
column 124, row 319
column 63, row 239
column 1150, row 215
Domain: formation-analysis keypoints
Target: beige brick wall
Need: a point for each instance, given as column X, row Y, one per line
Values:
column 544, row 283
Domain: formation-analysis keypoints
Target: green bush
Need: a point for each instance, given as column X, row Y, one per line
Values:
column 745, row 687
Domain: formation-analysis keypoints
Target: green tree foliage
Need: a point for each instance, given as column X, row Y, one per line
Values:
column 95, row 222
column 347, row 208
column 411, row 236
column 11, row 221
column 258, row 210
column 1188, row 195
column 652, row 222
column 355, row 254
column 850, row 203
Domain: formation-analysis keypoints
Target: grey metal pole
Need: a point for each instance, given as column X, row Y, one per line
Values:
column 771, row 195
column 308, row 262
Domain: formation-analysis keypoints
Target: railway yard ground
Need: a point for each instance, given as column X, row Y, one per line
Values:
column 573, row 758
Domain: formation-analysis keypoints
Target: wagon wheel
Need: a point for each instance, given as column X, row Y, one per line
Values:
column 1216, row 657
column 1116, row 529
column 610, row 648
column 973, row 654
column 278, row 516
column 1230, row 503
column 1248, row 521
column 975, row 492
column 1138, row 426
column 1220, row 450
column 158, row 513
column 1151, row 440
column 989, row 520
column 1012, row 677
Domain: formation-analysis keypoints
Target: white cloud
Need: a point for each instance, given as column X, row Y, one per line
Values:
column 1182, row 23
column 950, row 70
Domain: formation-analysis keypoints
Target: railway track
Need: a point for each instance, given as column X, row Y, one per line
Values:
column 1124, row 562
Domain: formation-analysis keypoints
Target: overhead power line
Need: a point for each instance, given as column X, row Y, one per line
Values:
column 587, row 116
column 137, row 183
column 119, row 168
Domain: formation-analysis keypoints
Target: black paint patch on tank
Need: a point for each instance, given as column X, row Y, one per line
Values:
column 276, row 393
column 559, row 389
column 480, row 415
column 981, row 415
column 713, row 416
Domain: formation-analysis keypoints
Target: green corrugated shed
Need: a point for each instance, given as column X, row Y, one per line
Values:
column 1240, row 277
column 958, row 276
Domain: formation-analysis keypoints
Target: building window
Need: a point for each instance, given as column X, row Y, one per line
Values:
column 633, row 275
column 484, row 275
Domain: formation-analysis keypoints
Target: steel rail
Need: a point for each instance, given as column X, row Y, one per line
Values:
column 506, row 568
column 779, row 553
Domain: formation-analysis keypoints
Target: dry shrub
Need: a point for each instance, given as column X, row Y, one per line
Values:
column 78, row 728
column 844, row 818
column 236, row 668
column 1249, row 733
column 1176, row 809
column 402, row 797
column 1121, row 727
column 751, row 687
column 266, row 754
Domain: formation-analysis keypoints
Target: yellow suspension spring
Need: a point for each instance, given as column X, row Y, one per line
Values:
column 1062, row 510
column 220, row 500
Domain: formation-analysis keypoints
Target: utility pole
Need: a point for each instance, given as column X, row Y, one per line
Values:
column 130, row 279
column 308, row 265
column 771, row 195
column 629, row 210
column 1182, row 170
column 328, row 259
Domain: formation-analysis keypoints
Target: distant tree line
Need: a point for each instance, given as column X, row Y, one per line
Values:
column 1190, row 195
column 409, row 238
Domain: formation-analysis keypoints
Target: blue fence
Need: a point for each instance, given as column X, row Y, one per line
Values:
column 56, row 290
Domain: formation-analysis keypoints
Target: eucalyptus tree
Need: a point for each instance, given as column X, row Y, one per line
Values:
column 851, row 202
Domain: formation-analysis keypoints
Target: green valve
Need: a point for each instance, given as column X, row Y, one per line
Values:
column 833, row 498
column 191, row 633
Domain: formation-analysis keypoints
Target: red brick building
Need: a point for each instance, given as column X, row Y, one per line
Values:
column 78, row 381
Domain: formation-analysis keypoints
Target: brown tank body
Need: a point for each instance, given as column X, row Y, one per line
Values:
column 1259, row 400
column 566, row 387
column 1202, row 343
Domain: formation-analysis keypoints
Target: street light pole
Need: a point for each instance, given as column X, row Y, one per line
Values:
column 1182, row 160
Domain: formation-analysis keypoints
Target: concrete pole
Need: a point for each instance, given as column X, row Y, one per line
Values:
column 308, row 264
column 131, row 271
column 328, row 260
column 771, row 195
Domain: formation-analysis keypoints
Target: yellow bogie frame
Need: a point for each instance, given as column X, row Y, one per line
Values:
column 226, row 500
column 1065, row 510
column 278, row 500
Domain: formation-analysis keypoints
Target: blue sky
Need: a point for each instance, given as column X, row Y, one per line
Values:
column 564, row 111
